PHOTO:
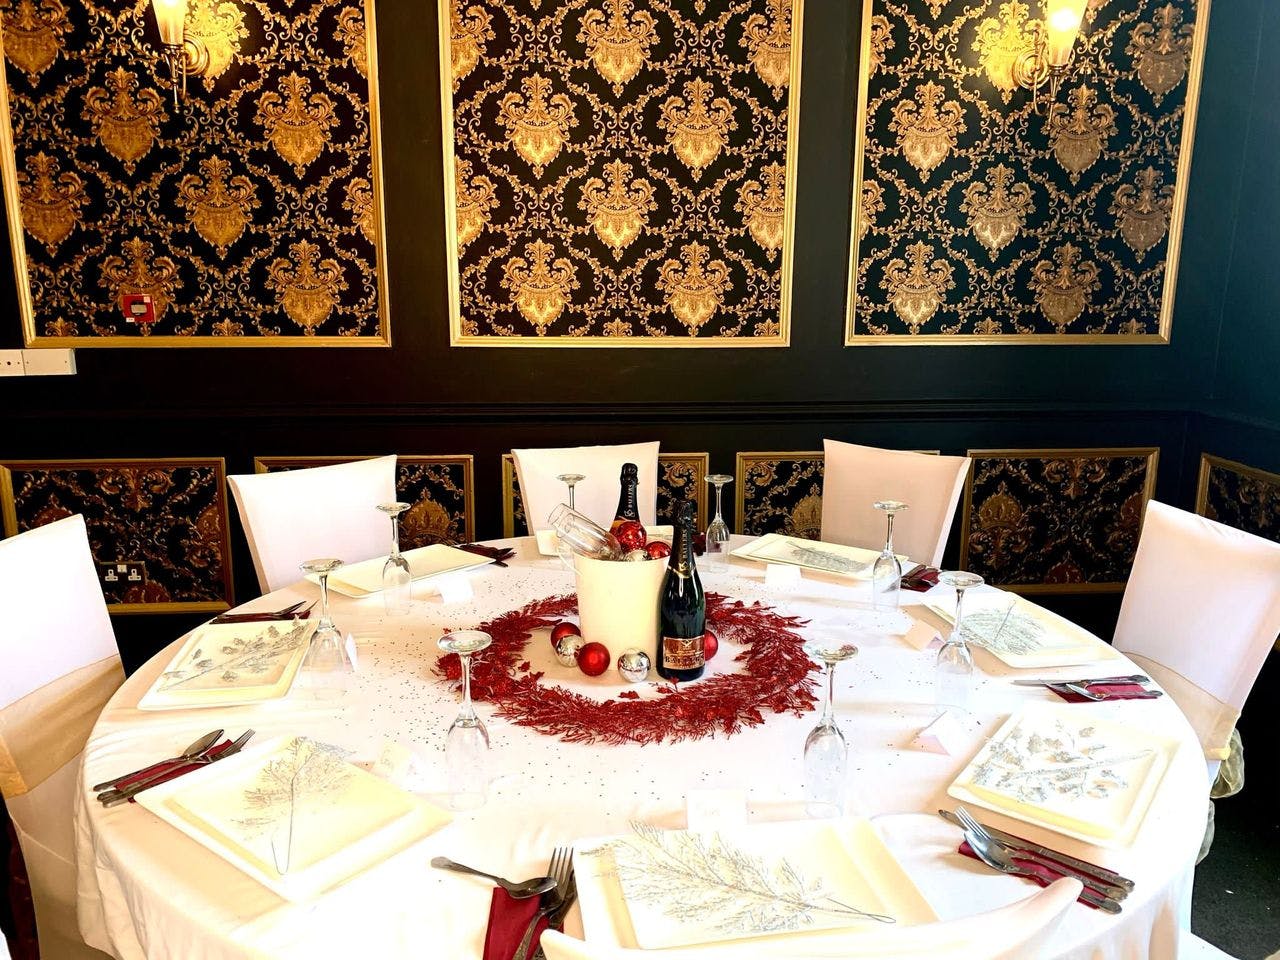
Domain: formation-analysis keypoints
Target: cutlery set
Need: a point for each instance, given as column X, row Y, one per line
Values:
column 1081, row 687
column 300, row 610
column 202, row 752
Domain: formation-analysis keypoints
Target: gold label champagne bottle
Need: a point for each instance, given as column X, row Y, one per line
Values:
column 628, row 497
column 683, row 611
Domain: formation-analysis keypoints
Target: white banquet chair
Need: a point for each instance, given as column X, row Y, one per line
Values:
column 855, row 477
column 1014, row 932
column 597, row 495
column 297, row 515
column 61, row 665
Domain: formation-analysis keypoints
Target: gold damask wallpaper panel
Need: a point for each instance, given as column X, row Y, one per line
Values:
column 620, row 172
column 780, row 492
column 439, row 489
column 251, row 216
column 976, row 220
column 1056, row 521
column 1240, row 496
column 158, row 529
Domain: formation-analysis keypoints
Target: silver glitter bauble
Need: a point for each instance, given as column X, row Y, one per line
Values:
column 634, row 665
column 634, row 555
column 567, row 649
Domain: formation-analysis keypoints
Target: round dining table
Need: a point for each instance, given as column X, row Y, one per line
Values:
column 147, row 890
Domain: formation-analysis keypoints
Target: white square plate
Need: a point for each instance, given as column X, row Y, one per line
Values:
column 1031, row 638
column 1061, row 768
column 294, row 815
column 844, row 859
column 226, row 664
column 365, row 578
column 835, row 558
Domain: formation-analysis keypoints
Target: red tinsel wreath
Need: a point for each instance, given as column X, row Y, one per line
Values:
column 777, row 677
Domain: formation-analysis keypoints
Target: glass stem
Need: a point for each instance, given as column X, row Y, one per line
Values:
column 719, row 492
column 828, row 708
column 888, row 538
column 395, row 535
column 467, row 710
column 571, row 486
column 324, row 598
column 958, row 632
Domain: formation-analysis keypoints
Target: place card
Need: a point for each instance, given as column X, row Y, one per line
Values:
column 396, row 764
column 943, row 736
column 921, row 634
column 781, row 576
column 455, row 588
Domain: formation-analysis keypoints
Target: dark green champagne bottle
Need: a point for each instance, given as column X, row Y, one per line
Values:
column 628, row 500
column 683, row 617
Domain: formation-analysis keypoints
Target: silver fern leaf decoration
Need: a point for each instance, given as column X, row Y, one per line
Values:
column 1003, row 631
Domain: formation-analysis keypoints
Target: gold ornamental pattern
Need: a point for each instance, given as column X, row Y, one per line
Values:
column 977, row 219
column 780, row 493
column 1240, row 496
column 251, row 216
column 620, row 171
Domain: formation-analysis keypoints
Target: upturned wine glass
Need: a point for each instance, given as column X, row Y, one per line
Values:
column 886, row 575
column 326, row 669
column 717, row 531
column 825, row 749
column 580, row 534
column 954, row 676
column 397, row 581
column 570, row 480
column 466, row 746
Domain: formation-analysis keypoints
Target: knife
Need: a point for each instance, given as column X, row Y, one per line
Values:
column 1084, row 682
column 1081, row 866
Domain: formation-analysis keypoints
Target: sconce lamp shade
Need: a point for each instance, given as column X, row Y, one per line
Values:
column 170, row 15
column 1062, row 25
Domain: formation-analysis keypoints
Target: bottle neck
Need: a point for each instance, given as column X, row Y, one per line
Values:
column 682, row 550
column 628, row 509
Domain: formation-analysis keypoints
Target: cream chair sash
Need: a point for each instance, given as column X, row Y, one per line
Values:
column 1212, row 719
column 42, row 731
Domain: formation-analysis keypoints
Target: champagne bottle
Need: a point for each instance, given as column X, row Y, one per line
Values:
column 628, row 497
column 683, row 616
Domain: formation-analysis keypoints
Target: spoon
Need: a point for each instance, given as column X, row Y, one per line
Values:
column 196, row 748
column 520, row 891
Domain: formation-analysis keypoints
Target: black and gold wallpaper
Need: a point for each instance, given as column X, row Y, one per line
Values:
column 157, row 528
column 681, row 476
column 439, row 490
column 1055, row 521
column 619, row 172
column 976, row 219
column 780, row 492
column 251, row 215
column 1240, row 496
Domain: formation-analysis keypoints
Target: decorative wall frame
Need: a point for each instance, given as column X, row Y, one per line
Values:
column 779, row 491
column 994, row 201
column 158, row 528
column 679, row 475
column 1240, row 496
column 251, row 218
column 440, row 490
column 624, row 176
column 1056, row 521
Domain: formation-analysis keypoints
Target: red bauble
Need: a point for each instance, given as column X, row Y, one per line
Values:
column 710, row 644
column 631, row 535
column 594, row 659
column 657, row 549
column 563, row 629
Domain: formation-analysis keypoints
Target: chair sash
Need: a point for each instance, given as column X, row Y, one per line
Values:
column 1212, row 719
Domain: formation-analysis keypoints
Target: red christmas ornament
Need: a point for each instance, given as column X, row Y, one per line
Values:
column 657, row 549
column 709, row 645
column 562, row 629
column 631, row 535
column 593, row 659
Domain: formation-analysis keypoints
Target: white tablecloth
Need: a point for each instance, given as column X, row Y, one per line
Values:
column 148, row 891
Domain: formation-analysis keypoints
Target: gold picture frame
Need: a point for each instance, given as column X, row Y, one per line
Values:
column 9, row 509
column 1152, row 455
column 1208, row 461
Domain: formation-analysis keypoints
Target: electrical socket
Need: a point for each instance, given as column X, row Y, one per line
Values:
column 11, row 363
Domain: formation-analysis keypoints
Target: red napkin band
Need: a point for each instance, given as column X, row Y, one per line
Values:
column 508, row 920
column 1043, row 873
column 921, row 582
column 178, row 769
column 1111, row 691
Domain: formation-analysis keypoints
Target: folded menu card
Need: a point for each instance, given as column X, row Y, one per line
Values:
column 1021, row 634
column 363, row 578
column 834, row 558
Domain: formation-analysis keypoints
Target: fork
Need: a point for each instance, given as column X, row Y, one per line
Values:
column 560, row 867
column 1088, row 694
column 110, row 798
column 556, row 920
column 997, row 856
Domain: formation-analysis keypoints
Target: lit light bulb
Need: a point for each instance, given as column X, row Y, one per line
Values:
column 1062, row 25
column 170, row 15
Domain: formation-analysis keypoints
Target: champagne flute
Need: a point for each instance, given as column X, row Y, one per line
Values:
column 466, row 746
column 326, row 669
column 825, row 749
column 397, row 581
column 886, row 575
column 570, row 480
column 954, row 676
column 717, row 540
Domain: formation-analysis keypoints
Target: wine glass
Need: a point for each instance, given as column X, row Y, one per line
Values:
column 886, row 575
column 570, row 480
column 397, row 581
column 954, row 677
column 580, row 534
column 717, row 531
column 326, row 669
column 466, row 746
column 825, row 749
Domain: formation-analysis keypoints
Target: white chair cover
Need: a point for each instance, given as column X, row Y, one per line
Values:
column 61, row 665
column 1010, row 933
column 298, row 515
column 855, row 477
column 1200, row 613
column 597, row 495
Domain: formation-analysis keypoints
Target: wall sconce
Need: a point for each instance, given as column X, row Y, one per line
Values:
column 1052, row 49
column 184, row 55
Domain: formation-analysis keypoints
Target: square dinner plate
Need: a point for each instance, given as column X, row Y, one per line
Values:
column 836, row 558
column 294, row 815
column 842, row 859
column 1060, row 768
column 365, row 578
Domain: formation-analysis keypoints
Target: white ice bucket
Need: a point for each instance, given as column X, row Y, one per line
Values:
column 618, row 602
